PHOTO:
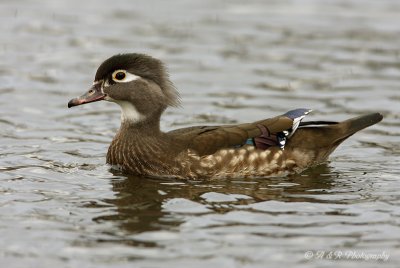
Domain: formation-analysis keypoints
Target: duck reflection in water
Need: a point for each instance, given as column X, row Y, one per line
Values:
column 141, row 202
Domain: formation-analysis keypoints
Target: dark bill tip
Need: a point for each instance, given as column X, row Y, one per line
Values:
column 74, row 102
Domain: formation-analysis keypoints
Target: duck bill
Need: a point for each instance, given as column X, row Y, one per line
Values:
column 92, row 95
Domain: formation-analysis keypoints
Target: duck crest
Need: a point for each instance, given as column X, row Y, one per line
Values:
column 270, row 147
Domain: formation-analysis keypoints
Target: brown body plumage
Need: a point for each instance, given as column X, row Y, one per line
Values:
column 190, row 153
column 270, row 147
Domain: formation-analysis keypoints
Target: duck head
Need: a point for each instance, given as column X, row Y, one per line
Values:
column 138, row 83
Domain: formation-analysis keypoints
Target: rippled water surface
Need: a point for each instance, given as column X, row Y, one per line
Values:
column 233, row 61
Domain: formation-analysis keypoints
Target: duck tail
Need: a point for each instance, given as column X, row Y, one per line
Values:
column 349, row 127
column 315, row 142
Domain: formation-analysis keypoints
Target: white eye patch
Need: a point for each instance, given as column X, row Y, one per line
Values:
column 122, row 76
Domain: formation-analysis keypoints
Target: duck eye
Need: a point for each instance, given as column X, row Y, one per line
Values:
column 123, row 76
column 119, row 76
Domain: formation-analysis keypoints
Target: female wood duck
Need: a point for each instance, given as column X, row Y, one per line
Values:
column 277, row 146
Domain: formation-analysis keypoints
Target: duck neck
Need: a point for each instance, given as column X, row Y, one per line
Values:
column 142, row 148
column 147, row 127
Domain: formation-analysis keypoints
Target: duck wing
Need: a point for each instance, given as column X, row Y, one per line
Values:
column 206, row 140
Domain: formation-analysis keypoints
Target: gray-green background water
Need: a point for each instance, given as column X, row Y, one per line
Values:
column 233, row 61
